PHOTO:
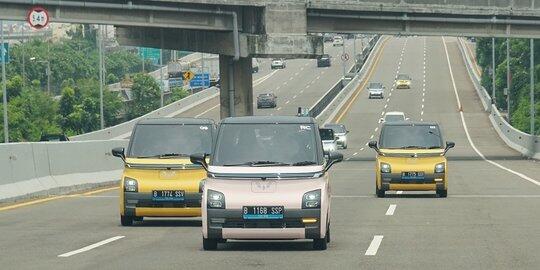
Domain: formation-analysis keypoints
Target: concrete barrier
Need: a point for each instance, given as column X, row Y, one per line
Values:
column 46, row 168
column 522, row 142
column 123, row 130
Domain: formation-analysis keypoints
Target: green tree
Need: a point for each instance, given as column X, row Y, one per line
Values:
column 178, row 93
column 146, row 95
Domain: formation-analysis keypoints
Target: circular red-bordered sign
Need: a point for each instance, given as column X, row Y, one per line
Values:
column 38, row 17
column 345, row 57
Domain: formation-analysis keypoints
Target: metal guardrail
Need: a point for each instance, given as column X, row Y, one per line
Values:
column 522, row 142
column 331, row 94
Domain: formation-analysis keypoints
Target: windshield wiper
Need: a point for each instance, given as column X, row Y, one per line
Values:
column 434, row 147
column 413, row 147
column 260, row 163
column 164, row 155
column 304, row 163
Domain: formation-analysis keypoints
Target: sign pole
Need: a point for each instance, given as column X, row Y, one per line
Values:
column 343, row 62
column 101, row 79
column 4, row 91
column 532, row 107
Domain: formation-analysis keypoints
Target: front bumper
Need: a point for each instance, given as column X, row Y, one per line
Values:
column 266, row 104
column 229, row 224
column 376, row 94
column 431, row 181
column 140, row 204
column 403, row 85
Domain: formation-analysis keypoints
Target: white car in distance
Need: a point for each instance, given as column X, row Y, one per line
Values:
column 338, row 41
column 393, row 117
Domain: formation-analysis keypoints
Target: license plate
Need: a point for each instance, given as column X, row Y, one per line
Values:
column 412, row 175
column 168, row 195
column 262, row 212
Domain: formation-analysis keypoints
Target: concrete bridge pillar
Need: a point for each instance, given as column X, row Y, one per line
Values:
column 235, row 81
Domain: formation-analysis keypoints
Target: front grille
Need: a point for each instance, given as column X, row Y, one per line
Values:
column 152, row 204
column 284, row 223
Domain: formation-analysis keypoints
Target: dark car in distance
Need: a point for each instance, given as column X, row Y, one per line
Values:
column 268, row 100
column 324, row 61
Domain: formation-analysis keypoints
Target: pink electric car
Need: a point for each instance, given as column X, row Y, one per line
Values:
column 267, row 179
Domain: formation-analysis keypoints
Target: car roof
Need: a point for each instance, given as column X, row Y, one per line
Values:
column 269, row 120
column 411, row 123
column 394, row 113
column 176, row 121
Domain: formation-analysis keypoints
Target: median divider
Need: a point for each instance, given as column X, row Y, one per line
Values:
column 522, row 142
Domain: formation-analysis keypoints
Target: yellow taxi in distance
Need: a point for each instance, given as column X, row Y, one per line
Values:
column 159, row 180
column 411, row 156
column 403, row 81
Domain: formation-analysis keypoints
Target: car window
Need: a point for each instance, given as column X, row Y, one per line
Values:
column 410, row 136
column 286, row 143
column 152, row 140
column 403, row 77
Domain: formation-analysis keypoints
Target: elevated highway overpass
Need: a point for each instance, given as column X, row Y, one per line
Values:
column 487, row 222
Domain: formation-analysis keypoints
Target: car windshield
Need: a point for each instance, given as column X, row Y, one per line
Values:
column 375, row 86
column 410, row 136
column 171, row 140
column 326, row 134
column 337, row 128
column 403, row 77
column 266, row 145
column 394, row 118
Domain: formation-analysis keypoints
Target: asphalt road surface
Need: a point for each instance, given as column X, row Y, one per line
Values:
column 490, row 219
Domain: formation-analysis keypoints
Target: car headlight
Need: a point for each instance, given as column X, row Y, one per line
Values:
column 386, row 168
column 311, row 199
column 130, row 185
column 439, row 168
column 215, row 199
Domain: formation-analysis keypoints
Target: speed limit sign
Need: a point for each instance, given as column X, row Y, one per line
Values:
column 37, row 17
column 345, row 57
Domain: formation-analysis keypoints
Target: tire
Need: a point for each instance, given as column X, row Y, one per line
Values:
column 209, row 244
column 320, row 244
column 442, row 193
column 126, row 220
column 380, row 193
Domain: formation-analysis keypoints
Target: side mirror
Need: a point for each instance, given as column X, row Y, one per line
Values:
column 448, row 146
column 119, row 152
column 199, row 158
column 373, row 145
column 381, row 120
column 333, row 158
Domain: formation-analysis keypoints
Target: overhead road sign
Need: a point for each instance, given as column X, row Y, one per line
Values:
column 38, row 17
column 200, row 80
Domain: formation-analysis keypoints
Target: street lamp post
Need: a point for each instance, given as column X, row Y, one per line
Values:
column 4, row 91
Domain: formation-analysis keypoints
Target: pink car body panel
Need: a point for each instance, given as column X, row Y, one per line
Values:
column 286, row 192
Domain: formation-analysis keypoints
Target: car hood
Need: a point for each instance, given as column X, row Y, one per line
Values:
column 272, row 192
column 412, row 152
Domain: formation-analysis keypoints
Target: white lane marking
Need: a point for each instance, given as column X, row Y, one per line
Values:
column 422, row 113
column 421, row 119
column 391, row 209
column 388, row 99
column 374, row 246
column 479, row 196
column 355, row 153
column 377, row 128
column 372, row 136
column 391, row 92
column 306, row 64
column 296, row 74
column 348, row 158
column 382, row 113
column 423, row 94
column 301, row 91
column 285, row 83
column 278, row 108
column 302, row 68
column 307, row 86
column 287, row 102
column 385, row 106
column 271, row 114
column 362, row 149
column 294, row 97
column 318, row 77
column 523, row 176
column 90, row 247
column 291, row 78
column 422, row 100
column 260, row 80
column 422, row 106
column 277, row 88
column 399, row 192
column 205, row 112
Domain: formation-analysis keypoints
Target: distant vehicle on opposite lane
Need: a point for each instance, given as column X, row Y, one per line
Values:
column 255, row 65
column 329, row 140
column 278, row 63
column 324, row 61
column 268, row 100
column 376, row 90
column 328, row 38
column 340, row 132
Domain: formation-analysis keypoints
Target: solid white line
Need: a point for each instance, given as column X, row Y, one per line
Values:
column 90, row 247
column 391, row 209
column 525, row 177
column 203, row 113
column 374, row 246
column 399, row 192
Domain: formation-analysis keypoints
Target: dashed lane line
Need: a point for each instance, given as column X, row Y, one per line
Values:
column 374, row 246
column 90, row 247
column 391, row 210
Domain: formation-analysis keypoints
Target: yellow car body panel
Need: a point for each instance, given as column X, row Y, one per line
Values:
column 163, row 174
column 411, row 160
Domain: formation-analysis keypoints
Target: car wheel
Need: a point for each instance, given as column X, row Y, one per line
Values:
column 442, row 193
column 209, row 244
column 380, row 193
column 126, row 220
column 320, row 244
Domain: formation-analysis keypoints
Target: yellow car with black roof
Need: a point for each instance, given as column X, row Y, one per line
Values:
column 159, row 179
column 411, row 156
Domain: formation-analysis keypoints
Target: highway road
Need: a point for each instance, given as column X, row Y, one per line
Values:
column 489, row 220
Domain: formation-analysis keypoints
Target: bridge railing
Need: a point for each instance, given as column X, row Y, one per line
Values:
column 522, row 142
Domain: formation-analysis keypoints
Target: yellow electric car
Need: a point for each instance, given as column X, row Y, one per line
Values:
column 411, row 156
column 403, row 81
column 159, row 180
